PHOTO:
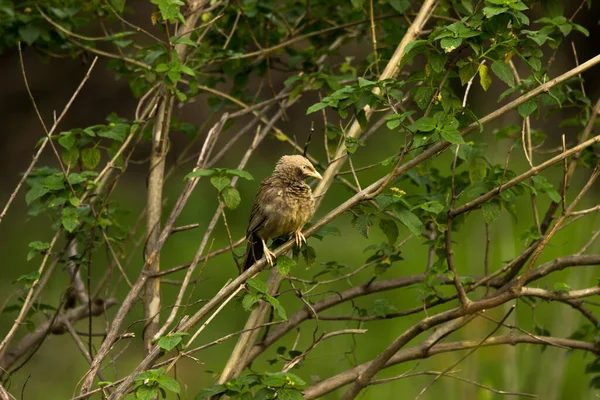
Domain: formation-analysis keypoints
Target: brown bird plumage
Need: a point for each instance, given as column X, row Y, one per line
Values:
column 284, row 203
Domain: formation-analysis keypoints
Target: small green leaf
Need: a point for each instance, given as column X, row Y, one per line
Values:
column 452, row 136
column 284, row 265
column 90, row 157
column 220, row 182
column 491, row 211
column 527, row 108
column 35, row 193
column 144, row 392
column 29, row 32
column 187, row 70
column 168, row 383
column 561, row 287
column 309, row 255
column 66, row 140
column 171, row 341
column 434, row 207
column 276, row 306
column 69, row 219
column 250, row 300
column 364, row 83
column 316, row 107
column 200, row 172
column 258, row 285
column 425, row 124
column 363, row 223
column 289, row 394
column 410, row 220
column 240, row 173
column 502, row 70
column 449, row 44
column 186, row 41
column 211, row 391
column 231, row 197
column 390, row 229
column 484, row 77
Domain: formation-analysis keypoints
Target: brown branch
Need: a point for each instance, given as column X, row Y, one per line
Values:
column 419, row 352
column 56, row 326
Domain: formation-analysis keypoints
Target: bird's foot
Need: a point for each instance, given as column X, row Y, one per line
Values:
column 269, row 255
column 299, row 238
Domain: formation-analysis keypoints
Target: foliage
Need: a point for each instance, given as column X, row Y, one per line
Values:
column 424, row 167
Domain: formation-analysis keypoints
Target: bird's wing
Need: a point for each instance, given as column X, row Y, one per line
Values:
column 258, row 215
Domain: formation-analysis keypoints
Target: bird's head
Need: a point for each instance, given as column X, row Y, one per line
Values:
column 296, row 167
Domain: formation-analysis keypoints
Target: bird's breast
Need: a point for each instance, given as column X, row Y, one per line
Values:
column 288, row 212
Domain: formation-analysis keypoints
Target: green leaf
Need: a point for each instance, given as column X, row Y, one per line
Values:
column 185, row 40
column 90, row 157
column 144, row 392
column 118, row 5
column 452, row 136
column 424, row 124
column 410, row 220
column 363, row 223
column 29, row 33
column 276, row 306
column 220, row 182
column 491, row 211
column 365, row 83
column 438, row 61
column 37, row 245
column 116, row 132
column 467, row 71
column 35, row 193
column 422, row 96
column 249, row 301
column 200, row 172
column 449, row 44
column 75, row 202
column 502, row 70
column 231, row 197
column 400, row 5
column 69, row 219
column 211, row 391
column 434, row 207
column 258, row 285
column 357, row 4
column 240, row 173
column 29, row 278
column 316, row 107
column 289, row 394
column 485, row 80
column 171, row 341
column 284, row 265
column 168, row 383
column 70, row 156
column 309, row 255
column 54, row 182
column 162, row 67
column 527, row 108
column 187, row 70
column 390, row 229
column 66, row 140
column 561, row 287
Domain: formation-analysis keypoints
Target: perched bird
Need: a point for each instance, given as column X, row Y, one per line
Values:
column 284, row 203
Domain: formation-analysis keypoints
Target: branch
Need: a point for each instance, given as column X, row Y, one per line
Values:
column 417, row 353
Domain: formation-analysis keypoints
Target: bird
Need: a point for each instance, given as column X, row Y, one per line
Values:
column 284, row 204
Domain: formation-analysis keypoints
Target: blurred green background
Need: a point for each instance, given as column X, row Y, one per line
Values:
column 55, row 370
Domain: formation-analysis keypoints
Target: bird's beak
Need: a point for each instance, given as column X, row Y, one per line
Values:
column 316, row 175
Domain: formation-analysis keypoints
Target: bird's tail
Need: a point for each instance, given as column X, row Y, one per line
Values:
column 254, row 251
